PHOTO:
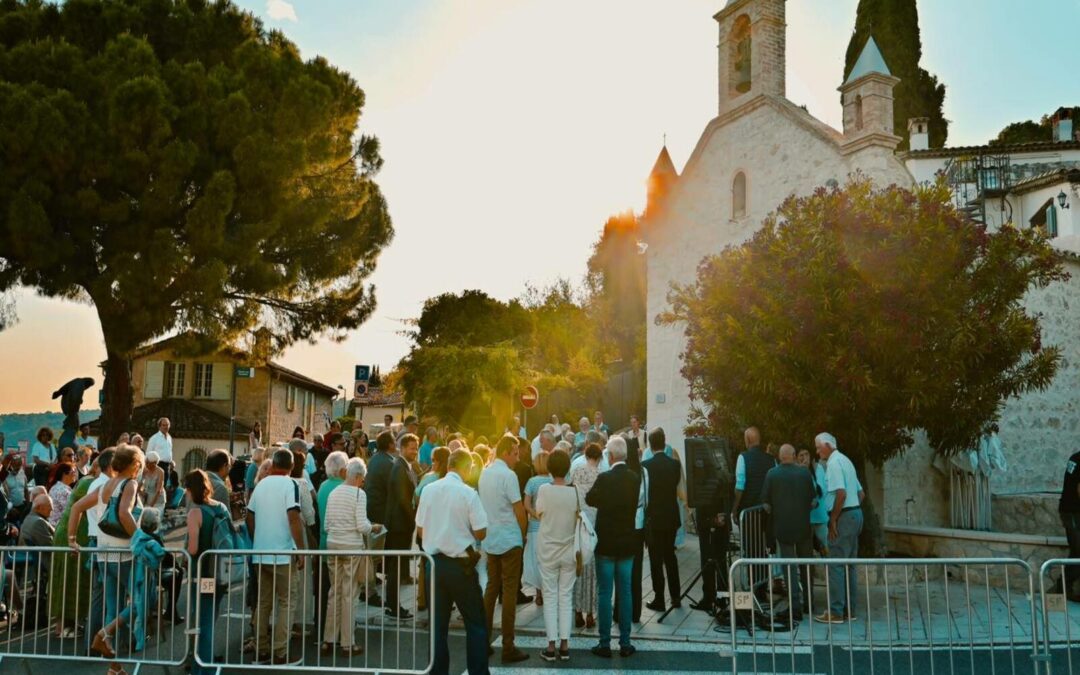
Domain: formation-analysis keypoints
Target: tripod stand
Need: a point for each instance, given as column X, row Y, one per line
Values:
column 708, row 566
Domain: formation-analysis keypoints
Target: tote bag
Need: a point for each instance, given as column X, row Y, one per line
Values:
column 584, row 539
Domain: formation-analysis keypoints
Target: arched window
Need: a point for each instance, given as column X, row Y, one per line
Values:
column 738, row 195
column 194, row 459
column 858, row 112
column 740, row 49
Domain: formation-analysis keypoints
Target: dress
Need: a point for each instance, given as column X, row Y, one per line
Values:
column 70, row 571
column 583, row 477
column 530, row 570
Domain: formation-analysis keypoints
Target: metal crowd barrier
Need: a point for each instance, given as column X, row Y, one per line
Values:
column 266, row 612
column 1058, row 617
column 57, row 599
column 962, row 615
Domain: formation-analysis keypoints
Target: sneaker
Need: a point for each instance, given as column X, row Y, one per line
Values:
column 628, row 650
column 564, row 654
column 600, row 650
column 829, row 617
column 401, row 614
column 549, row 655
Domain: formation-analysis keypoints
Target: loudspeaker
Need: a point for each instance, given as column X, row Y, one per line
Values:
column 708, row 471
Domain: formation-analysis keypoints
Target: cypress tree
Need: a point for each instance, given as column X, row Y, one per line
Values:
column 894, row 24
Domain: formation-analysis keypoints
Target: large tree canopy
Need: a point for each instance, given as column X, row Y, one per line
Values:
column 870, row 314
column 894, row 25
column 181, row 168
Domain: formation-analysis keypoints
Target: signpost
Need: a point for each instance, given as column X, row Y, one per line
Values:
column 529, row 398
column 237, row 371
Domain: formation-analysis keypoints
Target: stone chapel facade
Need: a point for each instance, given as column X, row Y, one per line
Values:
column 762, row 148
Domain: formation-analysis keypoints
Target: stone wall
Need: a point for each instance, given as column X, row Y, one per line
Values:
column 1028, row 513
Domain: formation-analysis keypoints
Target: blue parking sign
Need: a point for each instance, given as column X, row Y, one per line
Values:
column 363, row 373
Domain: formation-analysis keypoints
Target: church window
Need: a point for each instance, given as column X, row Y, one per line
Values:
column 741, row 49
column 858, row 112
column 738, row 196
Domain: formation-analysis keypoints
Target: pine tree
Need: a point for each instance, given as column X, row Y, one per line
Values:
column 894, row 25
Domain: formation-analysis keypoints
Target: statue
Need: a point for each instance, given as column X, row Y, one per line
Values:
column 71, row 398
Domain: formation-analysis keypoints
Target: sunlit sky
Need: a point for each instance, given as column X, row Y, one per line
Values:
column 512, row 128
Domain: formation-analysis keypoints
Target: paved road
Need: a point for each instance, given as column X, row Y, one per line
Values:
column 686, row 658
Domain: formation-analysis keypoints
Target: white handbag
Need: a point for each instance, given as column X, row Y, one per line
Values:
column 584, row 539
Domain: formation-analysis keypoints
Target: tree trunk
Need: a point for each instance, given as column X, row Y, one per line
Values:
column 116, row 411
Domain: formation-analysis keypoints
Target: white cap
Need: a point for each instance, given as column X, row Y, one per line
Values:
column 152, row 457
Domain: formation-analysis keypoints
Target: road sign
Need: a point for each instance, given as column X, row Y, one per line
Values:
column 360, row 389
column 363, row 373
column 530, row 397
column 245, row 371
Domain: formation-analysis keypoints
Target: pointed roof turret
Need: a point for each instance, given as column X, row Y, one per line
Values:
column 664, row 166
column 869, row 61
column 661, row 178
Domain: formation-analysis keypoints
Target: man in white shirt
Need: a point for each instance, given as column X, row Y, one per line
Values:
column 547, row 443
column 83, row 439
column 449, row 519
column 500, row 494
column 162, row 443
column 273, row 518
column 845, row 525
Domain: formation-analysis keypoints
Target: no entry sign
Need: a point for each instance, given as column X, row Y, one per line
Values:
column 530, row 397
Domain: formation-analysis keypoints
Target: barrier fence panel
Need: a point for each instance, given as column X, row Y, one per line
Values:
column 58, row 599
column 897, row 616
column 342, row 610
column 1060, row 616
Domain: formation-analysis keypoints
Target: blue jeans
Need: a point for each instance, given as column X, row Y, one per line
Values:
column 453, row 586
column 117, row 583
column 614, row 572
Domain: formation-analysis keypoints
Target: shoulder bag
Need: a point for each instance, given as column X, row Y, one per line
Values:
column 584, row 538
column 110, row 522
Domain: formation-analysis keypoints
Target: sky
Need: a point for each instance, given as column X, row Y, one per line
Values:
column 511, row 130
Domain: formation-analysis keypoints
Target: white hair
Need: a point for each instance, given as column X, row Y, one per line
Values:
column 825, row 438
column 583, row 420
column 616, row 449
column 547, row 434
column 354, row 468
column 335, row 463
column 151, row 520
column 564, row 446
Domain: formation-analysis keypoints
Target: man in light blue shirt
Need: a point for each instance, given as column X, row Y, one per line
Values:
column 500, row 494
column 845, row 524
column 581, row 436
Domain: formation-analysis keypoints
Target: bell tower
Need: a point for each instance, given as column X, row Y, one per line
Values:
column 751, row 51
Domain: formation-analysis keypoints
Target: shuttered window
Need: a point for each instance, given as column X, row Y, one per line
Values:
column 174, row 379
column 153, row 379
column 204, row 380
column 222, row 384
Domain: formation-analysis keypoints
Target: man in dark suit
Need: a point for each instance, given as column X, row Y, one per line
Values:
column 662, row 477
column 400, row 522
column 615, row 498
column 376, row 487
column 789, row 494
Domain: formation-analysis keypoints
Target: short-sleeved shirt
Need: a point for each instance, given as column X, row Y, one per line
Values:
column 499, row 491
column 271, row 502
column 1070, row 501
column 840, row 474
column 531, row 489
column 42, row 451
column 449, row 513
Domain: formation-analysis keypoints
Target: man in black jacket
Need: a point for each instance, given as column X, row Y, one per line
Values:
column 615, row 497
column 662, row 476
column 376, row 487
column 788, row 495
column 400, row 522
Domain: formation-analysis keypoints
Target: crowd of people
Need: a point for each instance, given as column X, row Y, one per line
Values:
column 566, row 515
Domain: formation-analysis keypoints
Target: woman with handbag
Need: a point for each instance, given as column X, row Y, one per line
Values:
column 120, row 519
column 557, row 506
column 200, row 535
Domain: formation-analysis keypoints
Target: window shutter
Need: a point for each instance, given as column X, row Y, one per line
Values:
column 153, row 379
column 1051, row 221
column 221, row 382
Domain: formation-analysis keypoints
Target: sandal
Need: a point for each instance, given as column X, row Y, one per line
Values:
column 354, row 650
column 590, row 621
column 117, row 670
column 564, row 654
column 68, row 633
column 101, row 645
column 326, row 648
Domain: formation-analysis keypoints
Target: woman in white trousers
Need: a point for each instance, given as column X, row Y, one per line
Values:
column 557, row 506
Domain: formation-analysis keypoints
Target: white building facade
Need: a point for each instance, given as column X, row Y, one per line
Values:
column 762, row 148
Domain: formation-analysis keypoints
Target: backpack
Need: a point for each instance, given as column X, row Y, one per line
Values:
column 223, row 536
